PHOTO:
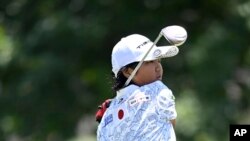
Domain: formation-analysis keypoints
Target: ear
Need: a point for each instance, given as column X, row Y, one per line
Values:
column 127, row 72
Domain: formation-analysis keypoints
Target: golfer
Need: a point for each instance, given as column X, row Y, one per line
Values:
column 143, row 110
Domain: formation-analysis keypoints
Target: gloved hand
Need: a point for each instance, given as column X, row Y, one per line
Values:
column 101, row 110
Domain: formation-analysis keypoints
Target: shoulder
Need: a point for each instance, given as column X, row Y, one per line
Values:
column 160, row 89
column 156, row 86
column 127, row 90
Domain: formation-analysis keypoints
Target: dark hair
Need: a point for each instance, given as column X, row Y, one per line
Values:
column 119, row 81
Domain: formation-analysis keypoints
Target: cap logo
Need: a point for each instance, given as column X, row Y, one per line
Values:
column 144, row 43
column 157, row 53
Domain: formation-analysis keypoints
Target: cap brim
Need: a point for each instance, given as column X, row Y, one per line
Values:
column 162, row 52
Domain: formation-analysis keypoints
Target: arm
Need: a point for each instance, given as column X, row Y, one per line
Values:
column 173, row 121
column 166, row 106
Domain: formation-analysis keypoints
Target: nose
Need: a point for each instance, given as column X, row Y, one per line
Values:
column 157, row 66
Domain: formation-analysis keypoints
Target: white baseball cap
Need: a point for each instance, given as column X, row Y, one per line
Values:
column 133, row 48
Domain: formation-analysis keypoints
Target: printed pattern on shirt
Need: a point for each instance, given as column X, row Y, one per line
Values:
column 140, row 114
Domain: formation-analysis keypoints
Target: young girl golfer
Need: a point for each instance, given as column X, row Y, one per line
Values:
column 144, row 110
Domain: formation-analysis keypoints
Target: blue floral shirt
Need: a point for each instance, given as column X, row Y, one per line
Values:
column 140, row 114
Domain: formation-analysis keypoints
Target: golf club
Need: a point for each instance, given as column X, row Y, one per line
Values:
column 175, row 35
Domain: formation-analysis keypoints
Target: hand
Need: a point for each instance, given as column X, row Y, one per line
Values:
column 101, row 110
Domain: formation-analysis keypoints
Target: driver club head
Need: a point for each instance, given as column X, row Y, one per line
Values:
column 176, row 35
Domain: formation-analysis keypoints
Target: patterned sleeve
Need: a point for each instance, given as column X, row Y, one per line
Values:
column 166, row 104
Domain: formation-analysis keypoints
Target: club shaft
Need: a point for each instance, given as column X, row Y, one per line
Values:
column 140, row 63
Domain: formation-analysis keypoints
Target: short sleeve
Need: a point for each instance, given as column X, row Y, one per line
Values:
column 166, row 104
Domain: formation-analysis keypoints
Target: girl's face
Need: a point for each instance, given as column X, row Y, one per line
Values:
column 149, row 72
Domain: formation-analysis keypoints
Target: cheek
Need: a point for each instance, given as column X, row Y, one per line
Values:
column 143, row 74
column 148, row 72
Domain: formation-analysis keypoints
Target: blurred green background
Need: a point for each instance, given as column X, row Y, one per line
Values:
column 55, row 64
